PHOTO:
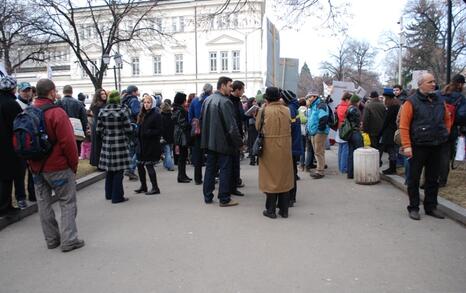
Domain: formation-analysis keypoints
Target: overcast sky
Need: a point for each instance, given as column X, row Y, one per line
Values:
column 369, row 20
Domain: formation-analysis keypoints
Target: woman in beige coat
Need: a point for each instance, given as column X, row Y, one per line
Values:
column 276, row 164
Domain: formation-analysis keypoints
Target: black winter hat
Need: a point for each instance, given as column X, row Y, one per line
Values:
column 458, row 78
column 288, row 96
column 179, row 99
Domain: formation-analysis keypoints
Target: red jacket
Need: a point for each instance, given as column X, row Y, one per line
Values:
column 341, row 111
column 65, row 152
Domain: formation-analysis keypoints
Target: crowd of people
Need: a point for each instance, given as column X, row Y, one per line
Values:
column 213, row 131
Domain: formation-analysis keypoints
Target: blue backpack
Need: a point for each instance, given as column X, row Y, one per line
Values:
column 30, row 139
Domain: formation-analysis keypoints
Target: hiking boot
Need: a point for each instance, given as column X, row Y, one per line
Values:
column 78, row 243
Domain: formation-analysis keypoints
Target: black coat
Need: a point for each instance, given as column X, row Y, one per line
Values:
column 150, row 131
column 389, row 126
column 168, row 127
column 10, row 162
column 182, row 128
column 96, row 140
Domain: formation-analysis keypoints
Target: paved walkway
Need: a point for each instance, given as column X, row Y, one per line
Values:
column 340, row 237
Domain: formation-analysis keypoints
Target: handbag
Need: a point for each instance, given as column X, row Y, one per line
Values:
column 345, row 130
column 258, row 146
column 195, row 127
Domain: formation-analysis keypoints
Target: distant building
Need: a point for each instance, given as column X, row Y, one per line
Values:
column 237, row 45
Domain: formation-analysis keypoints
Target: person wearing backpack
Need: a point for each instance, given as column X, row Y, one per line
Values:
column 10, row 167
column 74, row 109
column 452, row 94
column 57, row 173
column 318, row 129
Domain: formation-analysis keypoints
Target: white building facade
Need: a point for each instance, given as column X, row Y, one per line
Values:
column 197, row 50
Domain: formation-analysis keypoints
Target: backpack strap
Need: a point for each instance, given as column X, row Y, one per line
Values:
column 44, row 108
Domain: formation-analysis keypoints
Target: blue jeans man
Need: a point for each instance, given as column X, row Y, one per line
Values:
column 223, row 162
column 168, row 158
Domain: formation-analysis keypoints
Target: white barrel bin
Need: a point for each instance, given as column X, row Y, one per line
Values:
column 366, row 166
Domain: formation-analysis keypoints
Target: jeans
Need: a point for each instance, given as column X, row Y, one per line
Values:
column 427, row 157
column 168, row 157
column 133, row 159
column 114, row 186
column 354, row 143
column 343, row 157
column 223, row 162
column 302, row 159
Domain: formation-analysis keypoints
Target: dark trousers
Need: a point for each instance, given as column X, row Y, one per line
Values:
column 20, row 190
column 114, row 186
column 197, row 159
column 183, row 156
column 142, row 175
column 354, row 143
column 446, row 155
column 214, row 162
column 302, row 159
column 235, row 170
column 31, row 189
column 295, row 169
column 6, row 188
column 427, row 157
column 280, row 199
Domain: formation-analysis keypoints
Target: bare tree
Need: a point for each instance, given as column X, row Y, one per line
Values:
column 340, row 62
column 361, row 57
column 19, row 43
column 110, row 24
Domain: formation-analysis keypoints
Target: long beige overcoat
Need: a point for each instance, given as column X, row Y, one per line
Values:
column 276, row 164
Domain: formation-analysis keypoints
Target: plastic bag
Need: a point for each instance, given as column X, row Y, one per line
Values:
column 366, row 138
column 460, row 149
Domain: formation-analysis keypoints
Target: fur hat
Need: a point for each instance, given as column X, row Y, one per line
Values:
column 114, row 97
column 272, row 94
column 288, row 96
column 7, row 83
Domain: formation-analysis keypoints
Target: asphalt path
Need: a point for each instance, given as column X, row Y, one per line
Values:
column 340, row 237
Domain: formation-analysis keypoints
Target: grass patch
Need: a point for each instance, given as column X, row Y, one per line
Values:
column 84, row 168
column 455, row 190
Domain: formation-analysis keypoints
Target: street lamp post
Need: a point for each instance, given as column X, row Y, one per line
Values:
column 118, row 58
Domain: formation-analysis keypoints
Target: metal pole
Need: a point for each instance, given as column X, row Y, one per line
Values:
column 195, row 44
column 400, row 57
column 246, row 60
column 115, row 77
column 449, row 41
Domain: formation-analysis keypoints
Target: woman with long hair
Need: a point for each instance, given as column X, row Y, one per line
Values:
column 114, row 127
column 98, row 102
column 148, row 151
column 181, row 135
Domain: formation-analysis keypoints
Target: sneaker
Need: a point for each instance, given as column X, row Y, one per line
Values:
column 229, row 204
column 22, row 204
column 53, row 245
column 78, row 243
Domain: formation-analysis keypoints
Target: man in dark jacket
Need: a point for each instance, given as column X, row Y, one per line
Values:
column 131, row 101
column 424, row 129
column 220, row 138
column 10, row 167
column 235, row 98
column 74, row 109
column 373, row 118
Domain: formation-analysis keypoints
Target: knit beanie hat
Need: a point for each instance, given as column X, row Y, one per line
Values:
column 114, row 97
column 354, row 99
column 288, row 96
column 7, row 83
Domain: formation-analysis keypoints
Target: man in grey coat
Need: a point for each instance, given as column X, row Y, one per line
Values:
column 220, row 140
